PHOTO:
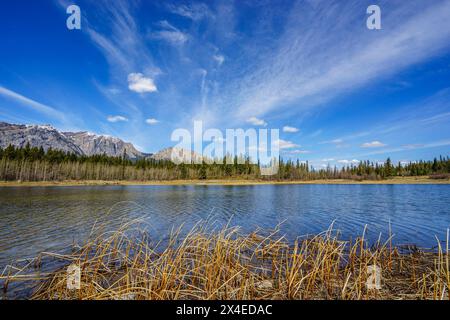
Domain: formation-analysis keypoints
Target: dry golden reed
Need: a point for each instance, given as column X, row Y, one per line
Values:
column 226, row 264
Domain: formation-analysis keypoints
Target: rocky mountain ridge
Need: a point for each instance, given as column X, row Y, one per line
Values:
column 80, row 143
column 177, row 154
column 92, row 144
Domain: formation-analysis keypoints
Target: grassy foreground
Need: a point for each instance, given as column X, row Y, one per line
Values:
column 228, row 265
column 230, row 182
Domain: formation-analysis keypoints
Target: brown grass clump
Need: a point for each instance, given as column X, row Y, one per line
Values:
column 228, row 265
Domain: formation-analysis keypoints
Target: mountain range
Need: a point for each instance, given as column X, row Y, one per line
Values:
column 80, row 143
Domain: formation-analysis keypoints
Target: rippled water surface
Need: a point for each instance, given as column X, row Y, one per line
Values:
column 33, row 220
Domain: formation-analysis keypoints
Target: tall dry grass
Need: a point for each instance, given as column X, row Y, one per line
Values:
column 229, row 265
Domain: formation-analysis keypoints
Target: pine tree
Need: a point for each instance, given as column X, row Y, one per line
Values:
column 388, row 168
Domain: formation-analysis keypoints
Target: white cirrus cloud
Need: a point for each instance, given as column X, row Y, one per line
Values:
column 152, row 121
column 412, row 146
column 317, row 65
column 337, row 142
column 34, row 105
column 169, row 33
column 115, row 119
column 290, row 129
column 256, row 121
column 373, row 144
column 137, row 82
column 283, row 144
column 300, row 152
column 193, row 11
column 173, row 37
column 220, row 59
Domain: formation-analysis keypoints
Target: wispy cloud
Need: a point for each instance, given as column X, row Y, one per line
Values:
column 170, row 34
column 412, row 146
column 290, row 129
column 115, row 119
column 256, row 121
column 34, row 105
column 220, row 59
column 422, row 118
column 173, row 37
column 373, row 144
column 115, row 31
column 388, row 151
column 316, row 133
column 193, row 11
column 334, row 141
column 124, row 46
column 283, row 144
column 152, row 121
column 299, row 152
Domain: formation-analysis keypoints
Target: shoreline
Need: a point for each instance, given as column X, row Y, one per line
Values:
column 230, row 182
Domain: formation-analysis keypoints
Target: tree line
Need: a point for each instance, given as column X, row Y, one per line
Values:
column 36, row 164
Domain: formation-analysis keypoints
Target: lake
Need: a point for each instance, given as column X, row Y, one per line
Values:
column 33, row 220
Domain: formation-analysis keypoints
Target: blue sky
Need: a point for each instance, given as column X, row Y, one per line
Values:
column 138, row 70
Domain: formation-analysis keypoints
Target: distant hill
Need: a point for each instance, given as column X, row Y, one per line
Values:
column 80, row 143
column 166, row 154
